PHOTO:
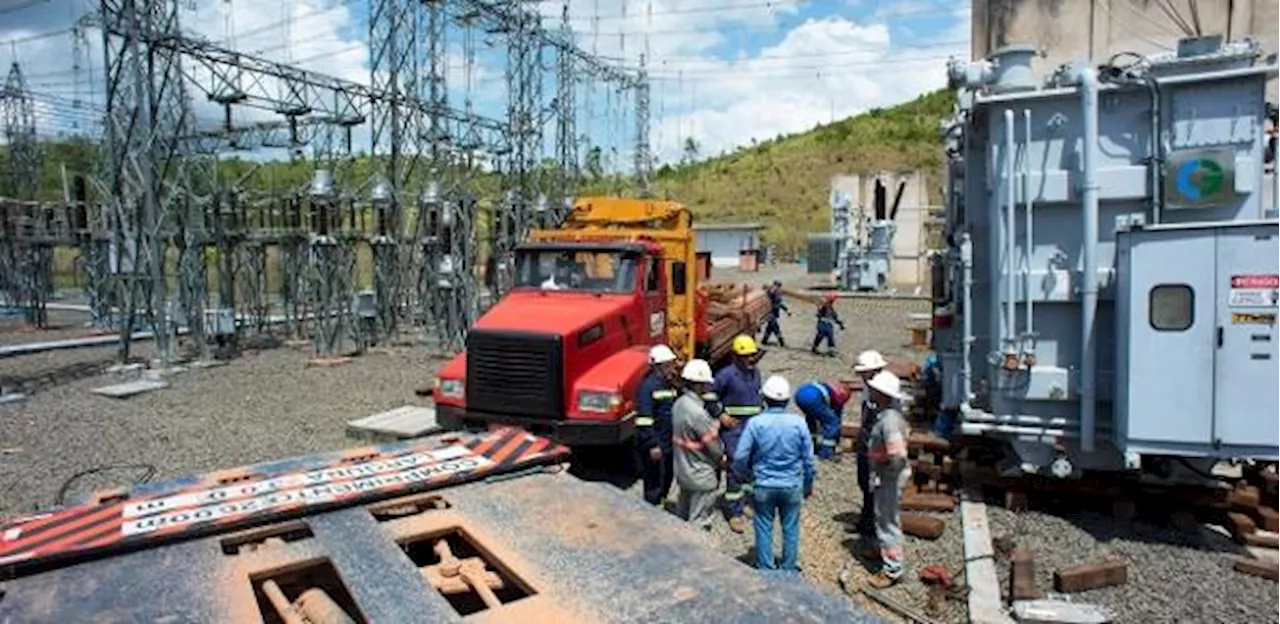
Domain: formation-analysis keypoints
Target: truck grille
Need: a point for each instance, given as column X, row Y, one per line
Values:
column 515, row 373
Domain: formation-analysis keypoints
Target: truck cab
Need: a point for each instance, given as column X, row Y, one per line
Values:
column 562, row 353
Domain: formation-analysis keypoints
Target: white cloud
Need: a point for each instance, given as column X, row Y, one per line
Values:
column 817, row 69
column 822, row 68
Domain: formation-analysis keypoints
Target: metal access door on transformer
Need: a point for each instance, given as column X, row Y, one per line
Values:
column 1170, row 276
column 1245, row 360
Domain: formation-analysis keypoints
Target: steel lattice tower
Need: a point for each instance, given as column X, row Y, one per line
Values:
column 26, row 265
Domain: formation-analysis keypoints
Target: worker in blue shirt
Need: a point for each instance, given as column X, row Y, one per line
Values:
column 776, row 454
column 822, row 403
column 654, row 399
column 827, row 320
column 737, row 388
column 776, row 307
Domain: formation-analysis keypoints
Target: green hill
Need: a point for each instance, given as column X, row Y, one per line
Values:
column 785, row 183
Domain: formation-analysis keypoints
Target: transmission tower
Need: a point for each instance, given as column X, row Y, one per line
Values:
column 27, row 262
column 568, row 167
column 146, row 112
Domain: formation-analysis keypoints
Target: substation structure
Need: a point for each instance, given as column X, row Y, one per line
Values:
column 168, row 244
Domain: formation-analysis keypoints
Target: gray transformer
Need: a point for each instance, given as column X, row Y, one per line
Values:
column 1110, row 300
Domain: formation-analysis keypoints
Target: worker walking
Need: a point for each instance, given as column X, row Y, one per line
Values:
column 866, row 366
column 822, row 403
column 776, row 307
column 827, row 320
column 737, row 388
column 776, row 454
column 698, row 452
column 887, row 451
column 654, row 399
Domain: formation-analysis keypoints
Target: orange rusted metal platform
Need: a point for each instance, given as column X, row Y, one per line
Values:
column 481, row 527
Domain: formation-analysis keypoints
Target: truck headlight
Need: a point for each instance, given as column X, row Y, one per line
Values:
column 451, row 388
column 591, row 401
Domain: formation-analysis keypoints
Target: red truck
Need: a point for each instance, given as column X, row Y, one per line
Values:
column 561, row 355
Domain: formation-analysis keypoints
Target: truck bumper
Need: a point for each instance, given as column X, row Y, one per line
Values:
column 567, row 432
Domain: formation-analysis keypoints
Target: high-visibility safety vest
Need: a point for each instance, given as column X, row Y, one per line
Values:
column 739, row 391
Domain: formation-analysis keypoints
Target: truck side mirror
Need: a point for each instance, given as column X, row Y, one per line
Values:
column 678, row 284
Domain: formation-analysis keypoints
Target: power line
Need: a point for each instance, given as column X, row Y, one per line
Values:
column 823, row 69
column 20, row 6
column 877, row 19
column 826, row 54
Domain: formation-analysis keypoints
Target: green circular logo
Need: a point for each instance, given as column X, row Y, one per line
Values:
column 1200, row 178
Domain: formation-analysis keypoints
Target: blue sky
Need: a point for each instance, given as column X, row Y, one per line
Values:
column 724, row 72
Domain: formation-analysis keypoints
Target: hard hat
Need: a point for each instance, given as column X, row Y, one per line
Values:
column 886, row 383
column 744, row 345
column 661, row 354
column 869, row 361
column 697, row 371
column 776, row 388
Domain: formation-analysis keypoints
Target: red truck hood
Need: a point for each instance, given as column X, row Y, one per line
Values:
column 552, row 313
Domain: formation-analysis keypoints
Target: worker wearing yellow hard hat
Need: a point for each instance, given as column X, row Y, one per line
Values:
column 737, row 390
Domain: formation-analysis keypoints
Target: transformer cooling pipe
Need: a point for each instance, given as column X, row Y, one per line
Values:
column 1088, row 84
column 966, row 264
column 1011, row 203
column 1155, row 173
column 1027, row 202
column 1275, row 190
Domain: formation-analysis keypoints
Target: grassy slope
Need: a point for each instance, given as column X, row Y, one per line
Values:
column 785, row 183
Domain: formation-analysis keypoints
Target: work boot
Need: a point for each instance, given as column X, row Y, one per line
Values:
column 882, row 581
column 738, row 524
column 865, row 549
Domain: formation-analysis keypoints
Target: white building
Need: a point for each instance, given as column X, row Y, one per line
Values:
column 909, row 265
column 726, row 242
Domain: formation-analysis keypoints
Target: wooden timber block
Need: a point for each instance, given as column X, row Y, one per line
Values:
column 927, row 470
column 1084, row 577
column 1240, row 525
column 1022, row 575
column 950, row 469
column 928, row 442
column 849, row 430
column 922, row 526
column 1257, row 567
column 1244, row 498
column 1015, row 500
column 1262, row 540
column 1268, row 519
column 927, row 502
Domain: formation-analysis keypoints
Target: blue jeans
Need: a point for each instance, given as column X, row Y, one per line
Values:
column 785, row 503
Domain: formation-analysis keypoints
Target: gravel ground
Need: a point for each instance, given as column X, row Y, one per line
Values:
column 259, row 407
column 871, row 323
column 270, row 405
column 1173, row 577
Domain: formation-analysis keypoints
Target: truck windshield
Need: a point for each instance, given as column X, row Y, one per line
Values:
column 575, row 269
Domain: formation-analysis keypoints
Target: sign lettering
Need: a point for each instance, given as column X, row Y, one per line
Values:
column 295, row 481
column 311, row 493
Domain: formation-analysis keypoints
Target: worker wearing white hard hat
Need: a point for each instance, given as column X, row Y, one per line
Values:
column 698, row 451
column 654, row 400
column 775, row 454
column 866, row 366
column 887, row 452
